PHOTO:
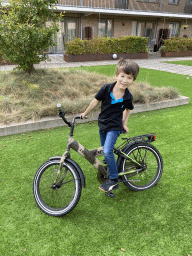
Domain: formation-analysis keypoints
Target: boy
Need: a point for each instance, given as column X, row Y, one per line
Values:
column 116, row 105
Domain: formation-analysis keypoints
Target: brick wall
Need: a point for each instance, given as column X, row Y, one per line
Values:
column 90, row 22
column 165, row 6
column 122, row 27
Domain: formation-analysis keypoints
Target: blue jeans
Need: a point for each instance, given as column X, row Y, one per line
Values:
column 108, row 140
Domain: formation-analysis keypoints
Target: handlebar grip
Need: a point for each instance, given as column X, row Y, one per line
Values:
column 59, row 109
column 84, row 118
column 59, row 105
column 62, row 114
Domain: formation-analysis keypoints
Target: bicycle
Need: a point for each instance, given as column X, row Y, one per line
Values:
column 58, row 182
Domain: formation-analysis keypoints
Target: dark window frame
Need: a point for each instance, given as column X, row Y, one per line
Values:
column 177, row 3
column 106, row 23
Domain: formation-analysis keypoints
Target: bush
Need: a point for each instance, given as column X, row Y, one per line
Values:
column 107, row 45
column 177, row 44
column 23, row 33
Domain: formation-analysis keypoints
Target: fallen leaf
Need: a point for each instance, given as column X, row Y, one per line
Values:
column 123, row 250
column 11, row 199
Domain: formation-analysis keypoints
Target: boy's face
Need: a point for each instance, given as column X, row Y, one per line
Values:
column 124, row 81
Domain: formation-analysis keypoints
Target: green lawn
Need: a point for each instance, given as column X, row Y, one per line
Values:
column 153, row 222
column 182, row 62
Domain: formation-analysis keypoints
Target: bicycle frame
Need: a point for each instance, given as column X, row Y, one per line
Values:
column 91, row 155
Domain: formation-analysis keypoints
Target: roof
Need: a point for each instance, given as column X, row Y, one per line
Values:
column 136, row 13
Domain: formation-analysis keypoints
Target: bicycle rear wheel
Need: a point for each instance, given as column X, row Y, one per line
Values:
column 145, row 169
column 56, row 196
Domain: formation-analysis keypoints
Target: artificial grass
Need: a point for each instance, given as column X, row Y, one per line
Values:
column 153, row 222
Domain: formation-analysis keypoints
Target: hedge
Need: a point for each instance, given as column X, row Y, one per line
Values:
column 107, row 45
column 177, row 44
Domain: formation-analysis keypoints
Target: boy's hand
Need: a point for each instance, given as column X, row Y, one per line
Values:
column 82, row 115
column 126, row 128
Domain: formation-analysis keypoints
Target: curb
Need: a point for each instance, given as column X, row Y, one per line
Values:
column 54, row 122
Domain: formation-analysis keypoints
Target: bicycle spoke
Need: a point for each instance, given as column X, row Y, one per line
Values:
column 58, row 196
column 148, row 170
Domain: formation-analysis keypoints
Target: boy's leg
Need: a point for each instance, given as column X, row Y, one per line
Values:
column 102, row 137
column 110, row 141
column 112, row 182
column 102, row 140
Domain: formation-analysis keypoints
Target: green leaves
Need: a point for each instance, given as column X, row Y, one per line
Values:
column 24, row 35
column 106, row 45
column 177, row 44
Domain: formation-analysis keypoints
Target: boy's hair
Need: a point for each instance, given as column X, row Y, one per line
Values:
column 129, row 67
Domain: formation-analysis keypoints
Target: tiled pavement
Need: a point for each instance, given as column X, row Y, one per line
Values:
column 56, row 61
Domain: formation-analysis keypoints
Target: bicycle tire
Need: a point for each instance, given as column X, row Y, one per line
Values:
column 52, row 200
column 149, row 170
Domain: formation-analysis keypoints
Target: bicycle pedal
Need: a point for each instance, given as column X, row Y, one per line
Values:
column 109, row 194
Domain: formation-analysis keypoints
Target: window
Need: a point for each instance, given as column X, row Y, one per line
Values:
column 58, row 38
column 144, row 29
column 134, row 28
column 176, row 2
column 88, row 33
column 67, row 32
column 71, row 29
column 173, row 29
column 105, row 28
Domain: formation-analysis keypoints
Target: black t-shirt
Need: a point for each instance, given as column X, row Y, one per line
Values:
column 111, row 114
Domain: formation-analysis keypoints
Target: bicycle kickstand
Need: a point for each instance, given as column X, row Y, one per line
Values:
column 110, row 194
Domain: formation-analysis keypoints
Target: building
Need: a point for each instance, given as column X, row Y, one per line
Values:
column 155, row 19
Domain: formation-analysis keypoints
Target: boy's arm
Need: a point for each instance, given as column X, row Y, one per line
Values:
column 94, row 103
column 126, row 114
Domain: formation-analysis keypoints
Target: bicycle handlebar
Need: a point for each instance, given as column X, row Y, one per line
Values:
column 61, row 113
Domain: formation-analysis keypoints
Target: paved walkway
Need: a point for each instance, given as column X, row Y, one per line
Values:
column 56, row 61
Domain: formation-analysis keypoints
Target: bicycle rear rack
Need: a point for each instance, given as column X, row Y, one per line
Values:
column 150, row 137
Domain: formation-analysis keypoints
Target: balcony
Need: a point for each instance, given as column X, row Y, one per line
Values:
column 113, row 7
column 103, row 4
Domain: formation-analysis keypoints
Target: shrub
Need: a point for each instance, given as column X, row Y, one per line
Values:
column 23, row 34
column 177, row 44
column 107, row 45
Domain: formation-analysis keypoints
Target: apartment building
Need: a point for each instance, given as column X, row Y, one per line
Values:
column 155, row 19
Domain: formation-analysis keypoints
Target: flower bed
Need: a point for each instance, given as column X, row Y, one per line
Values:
column 176, row 54
column 177, row 47
column 103, row 48
column 99, row 57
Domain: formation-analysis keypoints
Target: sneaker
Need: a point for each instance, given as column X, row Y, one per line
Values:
column 109, row 185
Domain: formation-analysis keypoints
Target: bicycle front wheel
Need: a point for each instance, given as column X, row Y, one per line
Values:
column 56, row 194
column 144, row 169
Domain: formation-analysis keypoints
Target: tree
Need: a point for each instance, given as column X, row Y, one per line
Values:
column 24, row 35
